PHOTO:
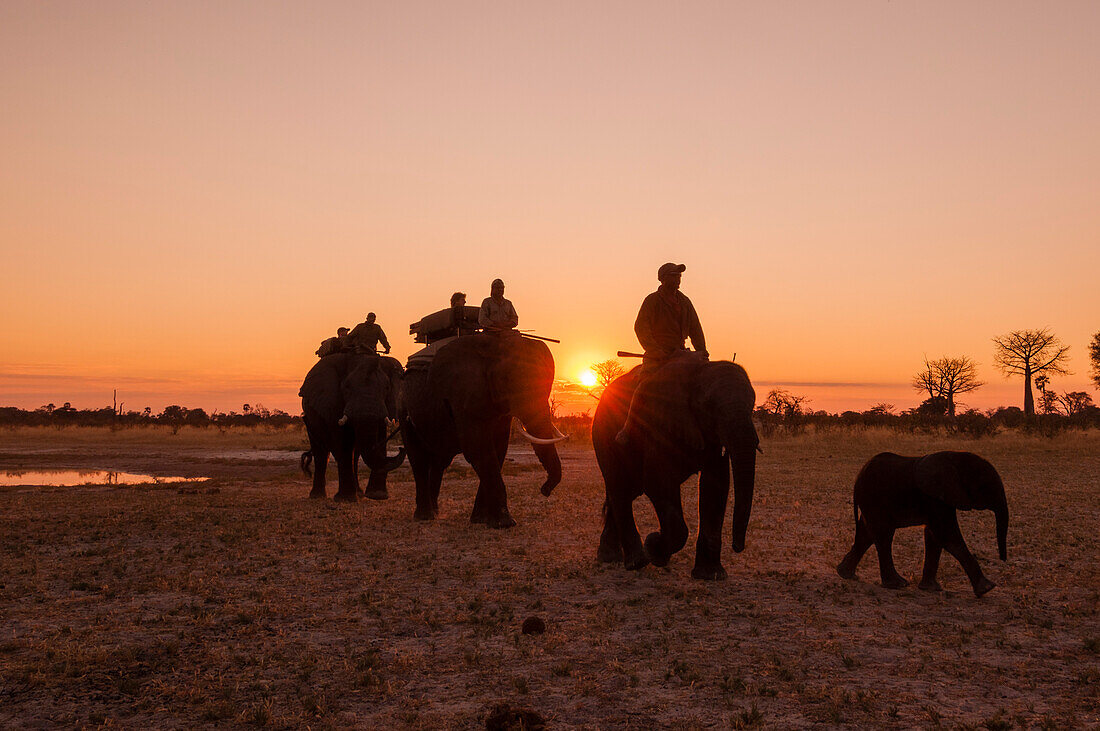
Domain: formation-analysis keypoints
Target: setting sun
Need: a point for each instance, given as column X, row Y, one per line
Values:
column 588, row 379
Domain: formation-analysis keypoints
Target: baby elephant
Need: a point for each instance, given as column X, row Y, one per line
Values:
column 894, row 492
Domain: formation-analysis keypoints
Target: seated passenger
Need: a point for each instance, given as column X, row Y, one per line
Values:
column 334, row 345
column 498, row 316
column 461, row 324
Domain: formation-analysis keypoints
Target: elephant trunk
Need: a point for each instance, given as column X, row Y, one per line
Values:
column 743, row 464
column 1001, row 511
column 546, row 436
column 374, row 453
column 551, row 462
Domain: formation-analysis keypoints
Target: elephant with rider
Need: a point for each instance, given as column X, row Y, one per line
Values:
column 692, row 416
column 463, row 402
column 348, row 401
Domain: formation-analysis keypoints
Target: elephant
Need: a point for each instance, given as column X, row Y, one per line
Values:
column 693, row 415
column 893, row 492
column 348, row 400
column 464, row 401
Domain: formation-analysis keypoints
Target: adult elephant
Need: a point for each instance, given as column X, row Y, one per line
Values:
column 464, row 402
column 348, row 400
column 692, row 415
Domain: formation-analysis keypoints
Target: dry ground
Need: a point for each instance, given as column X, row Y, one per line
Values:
column 239, row 601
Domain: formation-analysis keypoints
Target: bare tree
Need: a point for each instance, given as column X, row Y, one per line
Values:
column 1029, row 353
column 947, row 378
column 1094, row 359
column 1075, row 402
column 607, row 371
column 783, row 403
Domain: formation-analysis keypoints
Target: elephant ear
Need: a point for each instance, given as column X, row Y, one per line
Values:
column 667, row 414
column 949, row 477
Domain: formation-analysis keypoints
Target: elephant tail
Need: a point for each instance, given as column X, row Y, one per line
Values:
column 855, row 512
column 305, row 462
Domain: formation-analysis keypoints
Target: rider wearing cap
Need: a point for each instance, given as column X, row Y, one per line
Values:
column 665, row 320
column 334, row 345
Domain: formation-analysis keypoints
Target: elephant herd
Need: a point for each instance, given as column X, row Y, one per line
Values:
column 695, row 417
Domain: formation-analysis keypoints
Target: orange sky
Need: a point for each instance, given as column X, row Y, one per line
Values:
column 193, row 195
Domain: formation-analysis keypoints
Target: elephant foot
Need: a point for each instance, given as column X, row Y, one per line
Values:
column 709, row 573
column 377, row 495
column 895, row 582
column 929, row 585
column 479, row 517
column 317, row 495
column 609, row 554
column 846, row 571
column 345, row 497
column 653, row 549
column 425, row 514
column 983, row 587
column 502, row 521
column 636, row 561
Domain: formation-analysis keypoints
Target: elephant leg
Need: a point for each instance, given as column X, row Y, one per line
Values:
column 884, row 544
column 634, row 555
column 502, row 432
column 673, row 534
column 491, row 491
column 320, row 465
column 863, row 540
column 948, row 534
column 714, row 490
column 611, row 547
column 484, row 508
column 932, row 550
column 355, row 468
column 349, row 485
column 420, row 460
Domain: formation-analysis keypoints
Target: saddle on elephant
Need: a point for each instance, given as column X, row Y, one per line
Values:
column 651, row 401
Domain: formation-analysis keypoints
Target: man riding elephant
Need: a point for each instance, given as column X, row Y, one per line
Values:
column 364, row 338
column 497, row 315
column 665, row 320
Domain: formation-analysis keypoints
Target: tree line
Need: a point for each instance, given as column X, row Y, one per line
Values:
column 174, row 416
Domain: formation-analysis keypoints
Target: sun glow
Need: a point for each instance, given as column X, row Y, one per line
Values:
column 588, row 379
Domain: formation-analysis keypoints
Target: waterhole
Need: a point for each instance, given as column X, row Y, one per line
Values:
column 72, row 478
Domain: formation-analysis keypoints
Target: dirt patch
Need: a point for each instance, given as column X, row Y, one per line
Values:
column 249, row 604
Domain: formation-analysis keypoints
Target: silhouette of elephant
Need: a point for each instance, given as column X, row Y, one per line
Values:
column 692, row 415
column 464, row 402
column 348, row 400
column 893, row 492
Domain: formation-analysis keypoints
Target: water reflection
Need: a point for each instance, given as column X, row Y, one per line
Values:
column 71, row 478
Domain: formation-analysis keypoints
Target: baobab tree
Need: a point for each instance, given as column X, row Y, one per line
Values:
column 947, row 378
column 1030, row 353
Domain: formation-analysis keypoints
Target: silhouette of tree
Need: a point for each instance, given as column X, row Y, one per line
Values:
column 1094, row 359
column 783, row 403
column 1029, row 353
column 947, row 378
column 1075, row 402
column 607, row 371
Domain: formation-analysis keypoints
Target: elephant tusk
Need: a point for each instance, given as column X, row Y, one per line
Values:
column 538, row 440
column 558, row 433
column 343, row 420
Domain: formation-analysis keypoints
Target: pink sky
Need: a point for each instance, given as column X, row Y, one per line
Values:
column 193, row 195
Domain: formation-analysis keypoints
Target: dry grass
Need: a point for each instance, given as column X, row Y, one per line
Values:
column 241, row 602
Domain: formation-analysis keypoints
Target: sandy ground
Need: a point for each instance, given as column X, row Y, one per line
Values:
column 237, row 601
